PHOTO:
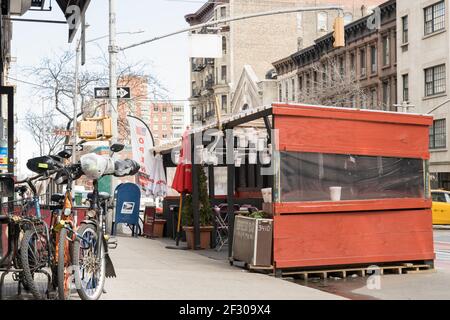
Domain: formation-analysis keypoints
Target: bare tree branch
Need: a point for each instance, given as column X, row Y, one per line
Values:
column 42, row 130
column 328, row 82
column 57, row 73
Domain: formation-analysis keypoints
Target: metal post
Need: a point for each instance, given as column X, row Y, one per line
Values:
column 75, row 103
column 113, row 50
column 230, row 188
column 11, row 143
column 195, row 194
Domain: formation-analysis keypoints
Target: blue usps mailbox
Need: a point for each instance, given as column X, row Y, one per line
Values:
column 128, row 201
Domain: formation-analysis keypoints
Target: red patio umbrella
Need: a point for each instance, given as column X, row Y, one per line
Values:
column 182, row 181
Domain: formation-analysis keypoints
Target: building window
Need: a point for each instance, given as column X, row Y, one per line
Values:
column 156, row 127
column 395, row 46
column 438, row 136
column 386, row 51
column 224, row 102
column 300, row 84
column 293, row 89
column 353, row 101
column 348, row 18
column 315, row 80
column 223, row 12
column 434, row 17
column 373, row 98
column 286, row 90
column 156, row 109
column 224, row 73
column 405, row 87
column 224, row 44
column 308, row 83
column 405, row 37
column 299, row 21
column 363, row 99
column 322, row 21
column 341, row 66
column 325, row 75
column 435, row 80
column 362, row 56
column 352, row 62
column 386, row 95
column 280, row 93
column 373, row 59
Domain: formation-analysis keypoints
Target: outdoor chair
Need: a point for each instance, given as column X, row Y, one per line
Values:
column 221, row 229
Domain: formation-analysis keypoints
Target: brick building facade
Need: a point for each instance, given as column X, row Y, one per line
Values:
column 366, row 67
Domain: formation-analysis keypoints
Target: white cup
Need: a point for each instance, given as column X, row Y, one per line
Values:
column 267, row 195
column 335, row 193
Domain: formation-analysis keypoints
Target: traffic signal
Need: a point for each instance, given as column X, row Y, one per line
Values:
column 339, row 33
column 74, row 11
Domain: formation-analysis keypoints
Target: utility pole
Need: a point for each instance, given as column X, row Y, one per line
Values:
column 113, row 50
column 75, row 102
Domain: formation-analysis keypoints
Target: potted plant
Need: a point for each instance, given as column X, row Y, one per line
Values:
column 206, row 216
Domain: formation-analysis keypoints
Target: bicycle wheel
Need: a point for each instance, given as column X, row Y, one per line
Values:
column 64, row 266
column 89, row 263
column 33, row 258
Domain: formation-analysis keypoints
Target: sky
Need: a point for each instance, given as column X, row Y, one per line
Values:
column 167, row 58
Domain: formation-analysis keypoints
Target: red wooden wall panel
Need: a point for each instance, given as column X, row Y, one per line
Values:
column 343, row 131
column 306, row 240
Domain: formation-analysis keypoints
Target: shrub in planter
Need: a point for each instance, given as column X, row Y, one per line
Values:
column 205, row 213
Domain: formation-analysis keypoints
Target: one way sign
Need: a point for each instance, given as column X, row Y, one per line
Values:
column 122, row 93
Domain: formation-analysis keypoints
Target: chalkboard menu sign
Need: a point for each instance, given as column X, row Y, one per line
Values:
column 252, row 241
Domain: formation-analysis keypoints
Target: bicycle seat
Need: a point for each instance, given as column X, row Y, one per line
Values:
column 57, row 197
column 21, row 189
column 102, row 196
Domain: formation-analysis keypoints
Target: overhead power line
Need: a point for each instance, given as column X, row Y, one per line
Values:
column 243, row 17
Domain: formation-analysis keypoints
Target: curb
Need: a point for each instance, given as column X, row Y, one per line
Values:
column 441, row 227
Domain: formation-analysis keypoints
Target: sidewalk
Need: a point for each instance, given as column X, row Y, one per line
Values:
column 147, row 270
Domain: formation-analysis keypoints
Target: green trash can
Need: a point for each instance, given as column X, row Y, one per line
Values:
column 78, row 199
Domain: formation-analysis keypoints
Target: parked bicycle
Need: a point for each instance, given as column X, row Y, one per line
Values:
column 91, row 261
column 24, row 220
column 73, row 254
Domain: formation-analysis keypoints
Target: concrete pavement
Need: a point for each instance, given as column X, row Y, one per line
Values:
column 147, row 270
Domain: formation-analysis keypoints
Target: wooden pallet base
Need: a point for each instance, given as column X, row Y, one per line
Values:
column 343, row 272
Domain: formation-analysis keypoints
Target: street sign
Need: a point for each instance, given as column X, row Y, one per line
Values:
column 69, row 147
column 122, row 93
column 63, row 133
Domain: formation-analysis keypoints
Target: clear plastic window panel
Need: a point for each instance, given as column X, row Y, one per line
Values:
column 316, row 176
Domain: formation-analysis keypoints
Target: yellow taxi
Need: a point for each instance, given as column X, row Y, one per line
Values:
column 441, row 206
